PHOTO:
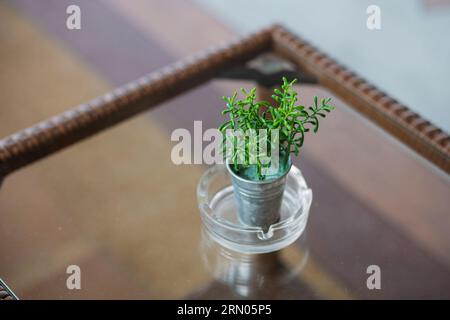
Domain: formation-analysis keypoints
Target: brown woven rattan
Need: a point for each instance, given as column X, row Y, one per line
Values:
column 47, row 137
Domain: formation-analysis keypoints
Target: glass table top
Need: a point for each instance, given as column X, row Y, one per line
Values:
column 117, row 207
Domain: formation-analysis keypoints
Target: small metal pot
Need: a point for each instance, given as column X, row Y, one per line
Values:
column 259, row 202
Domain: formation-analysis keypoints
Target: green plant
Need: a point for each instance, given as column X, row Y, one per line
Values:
column 291, row 120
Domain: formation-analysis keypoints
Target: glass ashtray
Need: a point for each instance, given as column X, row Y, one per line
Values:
column 218, row 210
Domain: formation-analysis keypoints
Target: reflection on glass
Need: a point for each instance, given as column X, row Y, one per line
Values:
column 274, row 275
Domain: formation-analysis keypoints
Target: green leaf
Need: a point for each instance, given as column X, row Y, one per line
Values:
column 316, row 126
column 293, row 121
column 224, row 126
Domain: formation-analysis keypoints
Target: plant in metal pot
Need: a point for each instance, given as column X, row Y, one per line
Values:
column 259, row 139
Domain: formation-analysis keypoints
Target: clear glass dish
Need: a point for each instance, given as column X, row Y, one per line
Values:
column 219, row 213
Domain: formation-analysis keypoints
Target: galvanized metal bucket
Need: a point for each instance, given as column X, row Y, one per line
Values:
column 259, row 202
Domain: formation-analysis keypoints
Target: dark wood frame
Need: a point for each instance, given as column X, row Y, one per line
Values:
column 47, row 137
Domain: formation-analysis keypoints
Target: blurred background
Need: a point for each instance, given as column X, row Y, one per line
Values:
column 407, row 57
column 115, row 204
